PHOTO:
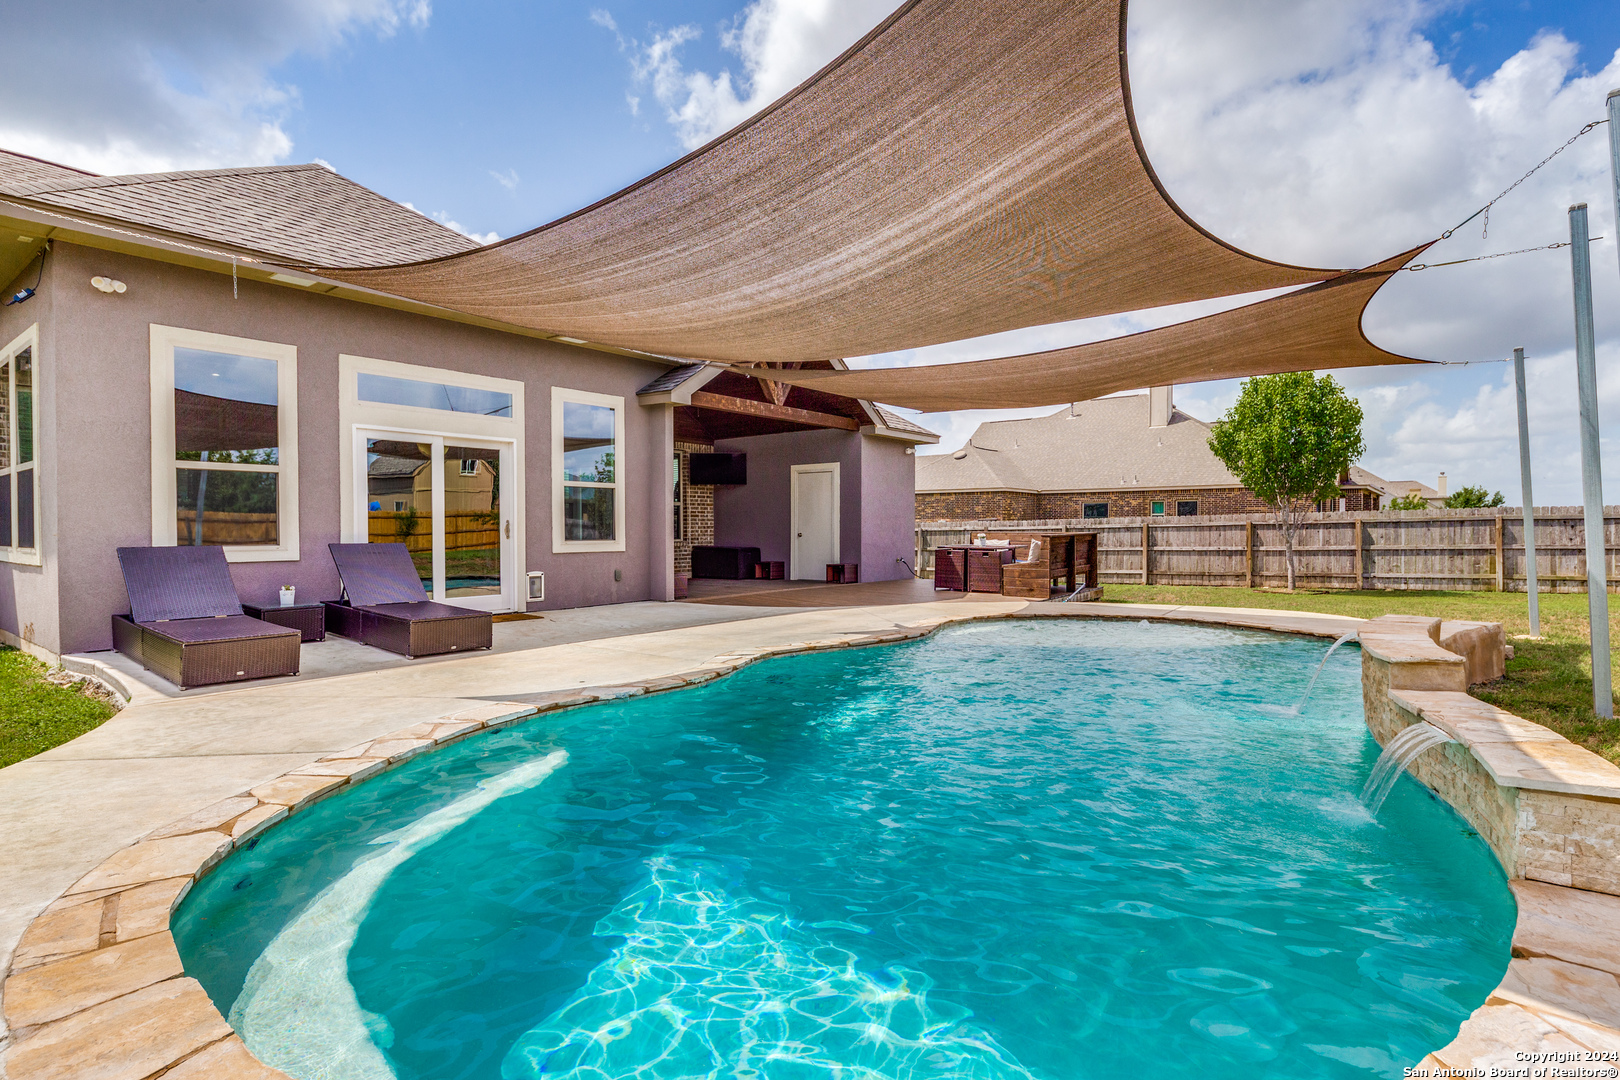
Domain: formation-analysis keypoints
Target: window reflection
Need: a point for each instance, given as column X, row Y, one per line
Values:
column 472, row 523
column 387, row 390
column 218, row 506
column 225, row 408
column 588, row 442
column 400, row 499
column 588, row 513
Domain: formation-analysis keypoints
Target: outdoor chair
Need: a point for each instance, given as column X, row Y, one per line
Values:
column 185, row 621
column 385, row 605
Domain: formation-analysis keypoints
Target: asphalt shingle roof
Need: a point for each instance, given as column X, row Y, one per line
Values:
column 294, row 213
column 21, row 169
column 1100, row 445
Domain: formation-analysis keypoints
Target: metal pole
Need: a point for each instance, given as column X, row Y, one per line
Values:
column 1529, row 503
column 1597, row 578
column 1614, row 154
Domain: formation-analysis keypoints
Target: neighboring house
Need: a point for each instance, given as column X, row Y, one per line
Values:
column 1131, row 456
column 169, row 380
column 1403, row 489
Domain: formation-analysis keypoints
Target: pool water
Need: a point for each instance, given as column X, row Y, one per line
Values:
column 1013, row 850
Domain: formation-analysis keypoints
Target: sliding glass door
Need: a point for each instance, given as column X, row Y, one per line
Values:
column 441, row 496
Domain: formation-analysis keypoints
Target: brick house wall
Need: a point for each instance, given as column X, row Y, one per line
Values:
column 977, row 505
column 696, row 509
column 1058, row 505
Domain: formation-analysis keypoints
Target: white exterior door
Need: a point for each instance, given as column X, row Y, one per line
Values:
column 442, row 496
column 815, row 524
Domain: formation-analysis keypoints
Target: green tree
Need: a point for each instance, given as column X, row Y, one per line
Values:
column 1407, row 502
column 1467, row 497
column 1289, row 439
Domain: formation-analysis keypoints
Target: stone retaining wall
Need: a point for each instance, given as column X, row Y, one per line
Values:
column 1550, row 810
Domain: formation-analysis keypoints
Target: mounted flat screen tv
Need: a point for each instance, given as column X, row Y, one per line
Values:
column 718, row 469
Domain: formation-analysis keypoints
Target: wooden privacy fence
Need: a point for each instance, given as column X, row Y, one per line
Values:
column 463, row 530
column 1479, row 550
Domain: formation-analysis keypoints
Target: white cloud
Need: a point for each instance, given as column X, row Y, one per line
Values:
column 455, row 226
column 508, row 179
column 780, row 44
column 170, row 84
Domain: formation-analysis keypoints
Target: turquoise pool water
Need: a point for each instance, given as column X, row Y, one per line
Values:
column 1013, row 850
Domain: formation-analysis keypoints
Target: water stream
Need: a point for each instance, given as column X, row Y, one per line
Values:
column 1402, row 750
column 1299, row 708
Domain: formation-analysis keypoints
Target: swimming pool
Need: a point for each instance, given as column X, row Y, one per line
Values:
column 1011, row 850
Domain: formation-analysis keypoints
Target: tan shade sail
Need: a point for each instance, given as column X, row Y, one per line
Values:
column 971, row 166
column 1314, row 328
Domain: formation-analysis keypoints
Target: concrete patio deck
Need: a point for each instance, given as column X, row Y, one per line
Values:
column 170, row 754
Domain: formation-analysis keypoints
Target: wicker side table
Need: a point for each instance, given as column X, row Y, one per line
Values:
column 308, row 619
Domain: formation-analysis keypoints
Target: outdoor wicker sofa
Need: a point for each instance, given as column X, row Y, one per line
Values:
column 385, row 605
column 186, row 622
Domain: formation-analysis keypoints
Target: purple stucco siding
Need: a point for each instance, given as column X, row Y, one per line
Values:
column 888, row 509
column 96, row 444
column 876, row 497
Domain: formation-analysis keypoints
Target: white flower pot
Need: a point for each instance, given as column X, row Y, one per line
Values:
column 287, row 596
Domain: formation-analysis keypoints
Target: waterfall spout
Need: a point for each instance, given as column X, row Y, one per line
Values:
column 1402, row 750
column 1318, row 673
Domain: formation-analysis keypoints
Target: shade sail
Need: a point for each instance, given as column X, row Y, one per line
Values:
column 969, row 167
column 1313, row 328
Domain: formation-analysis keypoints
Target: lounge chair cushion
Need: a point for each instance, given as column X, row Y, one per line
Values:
column 178, row 583
column 201, row 631
column 420, row 610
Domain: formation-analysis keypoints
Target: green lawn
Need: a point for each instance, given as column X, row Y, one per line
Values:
column 1548, row 681
column 36, row 714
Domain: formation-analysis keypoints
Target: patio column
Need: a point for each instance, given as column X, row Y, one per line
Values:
column 661, row 504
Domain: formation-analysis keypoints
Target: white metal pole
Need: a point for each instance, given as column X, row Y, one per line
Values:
column 1529, row 502
column 1614, row 157
column 1597, row 578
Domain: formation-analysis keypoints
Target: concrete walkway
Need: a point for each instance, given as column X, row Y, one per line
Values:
column 170, row 754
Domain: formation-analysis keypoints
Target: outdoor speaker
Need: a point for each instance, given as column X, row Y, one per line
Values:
column 537, row 584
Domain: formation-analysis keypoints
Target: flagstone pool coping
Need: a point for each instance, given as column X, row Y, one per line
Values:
column 95, row 989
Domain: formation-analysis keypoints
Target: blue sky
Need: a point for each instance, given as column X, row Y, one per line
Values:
column 1325, row 131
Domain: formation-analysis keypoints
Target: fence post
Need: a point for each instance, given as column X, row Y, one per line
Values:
column 1498, row 552
column 1248, row 553
column 1144, row 553
column 1355, row 557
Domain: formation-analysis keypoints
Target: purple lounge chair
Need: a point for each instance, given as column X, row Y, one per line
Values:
column 185, row 621
column 385, row 605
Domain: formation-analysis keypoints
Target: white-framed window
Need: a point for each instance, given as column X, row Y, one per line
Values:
column 19, row 442
column 225, row 444
column 587, row 471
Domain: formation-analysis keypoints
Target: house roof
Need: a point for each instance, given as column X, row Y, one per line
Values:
column 1101, row 445
column 385, row 465
column 18, row 168
column 1395, row 489
column 293, row 213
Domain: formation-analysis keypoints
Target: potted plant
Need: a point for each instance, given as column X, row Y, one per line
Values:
column 287, row 596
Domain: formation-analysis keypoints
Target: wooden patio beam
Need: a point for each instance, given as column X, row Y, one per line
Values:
column 766, row 410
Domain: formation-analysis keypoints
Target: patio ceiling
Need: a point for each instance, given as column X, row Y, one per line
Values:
column 969, row 167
